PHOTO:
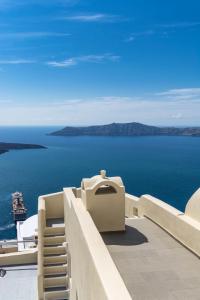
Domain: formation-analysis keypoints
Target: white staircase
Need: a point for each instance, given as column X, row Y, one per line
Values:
column 54, row 262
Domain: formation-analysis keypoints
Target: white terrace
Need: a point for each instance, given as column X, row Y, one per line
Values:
column 89, row 250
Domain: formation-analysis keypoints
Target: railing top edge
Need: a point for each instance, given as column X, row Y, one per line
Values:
column 51, row 195
column 41, row 203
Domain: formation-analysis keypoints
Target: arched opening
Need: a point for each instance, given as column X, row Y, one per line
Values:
column 105, row 189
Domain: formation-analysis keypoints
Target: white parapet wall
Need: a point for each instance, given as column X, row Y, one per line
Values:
column 183, row 227
column 54, row 205
column 19, row 258
column 40, row 259
column 131, row 205
column 92, row 270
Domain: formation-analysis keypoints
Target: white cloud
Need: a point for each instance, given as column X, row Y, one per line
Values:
column 72, row 61
column 115, row 99
column 30, row 35
column 136, row 35
column 16, row 62
column 177, row 116
column 101, row 110
column 184, row 91
column 131, row 38
column 181, row 94
column 180, row 25
column 162, row 30
column 98, row 17
column 63, row 64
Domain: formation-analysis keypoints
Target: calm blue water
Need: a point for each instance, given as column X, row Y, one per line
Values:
column 166, row 167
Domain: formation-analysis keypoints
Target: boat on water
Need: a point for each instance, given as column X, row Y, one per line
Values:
column 18, row 208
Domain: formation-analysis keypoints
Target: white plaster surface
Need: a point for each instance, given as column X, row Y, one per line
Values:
column 19, row 283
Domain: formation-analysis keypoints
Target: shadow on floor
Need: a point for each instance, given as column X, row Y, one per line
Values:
column 54, row 222
column 131, row 236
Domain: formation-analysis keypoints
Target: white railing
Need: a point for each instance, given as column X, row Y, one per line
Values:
column 41, row 227
column 93, row 272
column 16, row 242
column 181, row 226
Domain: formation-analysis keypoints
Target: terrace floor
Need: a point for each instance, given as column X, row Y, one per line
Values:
column 19, row 283
column 153, row 264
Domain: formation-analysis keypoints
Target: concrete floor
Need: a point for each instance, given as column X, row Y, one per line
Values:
column 153, row 265
column 19, row 283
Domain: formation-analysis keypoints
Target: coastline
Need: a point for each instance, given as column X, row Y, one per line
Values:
column 6, row 147
column 126, row 129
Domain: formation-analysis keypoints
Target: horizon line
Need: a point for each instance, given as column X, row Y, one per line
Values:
column 87, row 125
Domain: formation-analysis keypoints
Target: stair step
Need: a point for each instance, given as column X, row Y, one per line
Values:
column 54, row 240
column 53, row 270
column 55, row 275
column 55, row 281
column 58, row 259
column 56, row 294
column 54, row 230
column 53, row 234
column 54, row 254
column 53, row 245
column 50, row 250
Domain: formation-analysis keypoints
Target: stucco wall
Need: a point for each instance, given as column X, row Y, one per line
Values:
column 131, row 205
column 94, row 275
column 54, row 205
column 42, row 202
column 19, row 258
column 107, row 208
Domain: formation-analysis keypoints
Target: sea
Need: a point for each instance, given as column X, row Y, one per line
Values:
column 165, row 167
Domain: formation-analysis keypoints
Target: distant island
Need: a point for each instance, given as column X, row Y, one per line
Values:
column 5, row 147
column 127, row 129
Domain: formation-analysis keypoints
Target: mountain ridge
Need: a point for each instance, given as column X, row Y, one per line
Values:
column 126, row 129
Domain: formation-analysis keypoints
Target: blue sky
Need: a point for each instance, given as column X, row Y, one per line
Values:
column 70, row 62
